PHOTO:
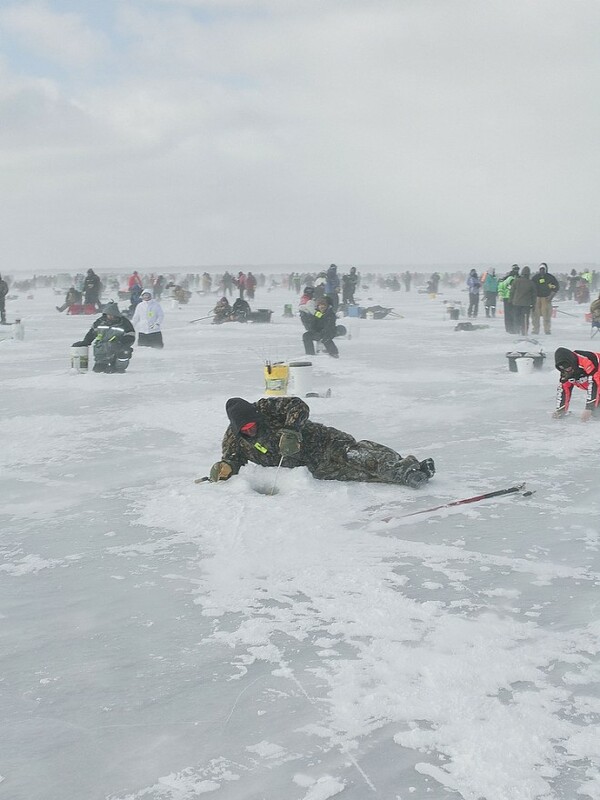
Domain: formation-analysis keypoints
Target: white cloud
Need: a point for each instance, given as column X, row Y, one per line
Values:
column 61, row 37
column 357, row 132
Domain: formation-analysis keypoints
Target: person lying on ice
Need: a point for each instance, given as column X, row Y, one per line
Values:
column 276, row 427
column 578, row 368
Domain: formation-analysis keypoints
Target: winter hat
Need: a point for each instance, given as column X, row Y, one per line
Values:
column 525, row 272
column 473, row 273
column 543, row 267
column 515, row 269
column 309, row 290
column 240, row 412
column 565, row 358
column 147, row 291
column 111, row 309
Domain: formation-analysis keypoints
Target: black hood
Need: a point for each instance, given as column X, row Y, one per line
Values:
column 562, row 356
column 240, row 412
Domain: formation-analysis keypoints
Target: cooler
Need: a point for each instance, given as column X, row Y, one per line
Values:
column 276, row 378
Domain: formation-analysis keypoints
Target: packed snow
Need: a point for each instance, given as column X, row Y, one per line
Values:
column 166, row 640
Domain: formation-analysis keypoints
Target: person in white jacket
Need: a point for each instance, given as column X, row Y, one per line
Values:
column 147, row 319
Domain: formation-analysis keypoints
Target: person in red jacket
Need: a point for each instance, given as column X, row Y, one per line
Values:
column 134, row 280
column 580, row 368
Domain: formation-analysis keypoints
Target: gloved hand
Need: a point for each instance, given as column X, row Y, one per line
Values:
column 289, row 442
column 78, row 344
column 220, row 471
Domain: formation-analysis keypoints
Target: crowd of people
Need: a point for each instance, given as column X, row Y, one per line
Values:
column 525, row 300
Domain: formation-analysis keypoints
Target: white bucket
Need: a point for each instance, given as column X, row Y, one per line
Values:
column 524, row 365
column 79, row 358
column 300, row 378
column 18, row 330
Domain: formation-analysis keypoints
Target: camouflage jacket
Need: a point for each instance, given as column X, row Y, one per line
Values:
column 322, row 452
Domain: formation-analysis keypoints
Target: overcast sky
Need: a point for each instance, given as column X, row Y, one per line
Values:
column 191, row 132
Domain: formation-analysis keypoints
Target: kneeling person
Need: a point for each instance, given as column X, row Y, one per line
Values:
column 580, row 369
column 276, row 427
column 113, row 336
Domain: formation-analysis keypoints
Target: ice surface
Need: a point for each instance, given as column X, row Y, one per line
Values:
column 165, row 640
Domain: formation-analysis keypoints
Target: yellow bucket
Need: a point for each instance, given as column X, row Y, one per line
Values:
column 276, row 378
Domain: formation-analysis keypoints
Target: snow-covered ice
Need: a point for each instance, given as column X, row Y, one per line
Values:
column 168, row 640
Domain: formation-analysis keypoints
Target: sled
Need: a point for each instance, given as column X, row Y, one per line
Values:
column 261, row 315
column 82, row 308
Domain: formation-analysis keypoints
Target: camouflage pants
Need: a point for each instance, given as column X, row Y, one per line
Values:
column 376, row 463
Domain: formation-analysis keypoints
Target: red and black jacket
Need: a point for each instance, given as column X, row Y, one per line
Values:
column 586, row 376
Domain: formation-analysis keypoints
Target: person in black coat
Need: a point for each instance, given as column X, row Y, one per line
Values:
column 276, row 431
column 321, row 327
column 546, row 286
column 240, row 310
column 113, row 336
column 91, row 289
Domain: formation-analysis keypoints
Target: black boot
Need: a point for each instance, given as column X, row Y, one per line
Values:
column 427, row 467
column 408, row 472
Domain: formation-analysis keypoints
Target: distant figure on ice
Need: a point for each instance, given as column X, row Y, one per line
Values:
column 276, row 427
column 577, row 368
column 546, row 286
column 522, row 298
column 91, row 289
column 320, row 327
column 3, row 293
column 473, row 285
column 332, row 286
column 504, row 285
column 147, row 320
column 134, row 280
column 240, row 310
column 433, row 283
column 159, row 285
column 349, row 283
column 307, row 304
column 250, row 285
column 112, row 335
column 135, row 298
column 72, row 298
column 240, row 282
column 490, row 293
column 222, row 311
